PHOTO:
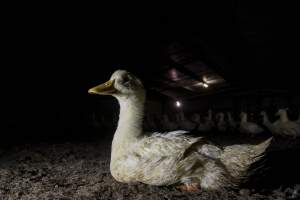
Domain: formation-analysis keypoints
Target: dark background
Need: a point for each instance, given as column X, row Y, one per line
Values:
column 53, row 54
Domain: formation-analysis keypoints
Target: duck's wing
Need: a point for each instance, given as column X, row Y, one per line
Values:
column 155, row 159
column 254, row 128
column 165, row 144
column 164, row 159
column 176, row 144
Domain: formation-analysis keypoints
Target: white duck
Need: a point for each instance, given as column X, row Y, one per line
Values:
column 196, row 119
column 267, row 122
column 173, row 158
column 249, row 127
column 231, row 122
column 202, row 127
column 221, row 124
column 284, row 126
column 209, row 122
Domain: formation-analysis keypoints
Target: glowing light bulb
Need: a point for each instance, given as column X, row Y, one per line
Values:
column 178, row 104
column 205, row 85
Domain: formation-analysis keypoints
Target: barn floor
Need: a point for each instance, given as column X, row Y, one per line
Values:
column 81, row 171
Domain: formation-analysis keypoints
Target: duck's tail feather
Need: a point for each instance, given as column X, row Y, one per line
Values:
column 238, row 159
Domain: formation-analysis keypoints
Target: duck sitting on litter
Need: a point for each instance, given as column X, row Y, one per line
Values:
column 201, row 127
column 267, row 122
column 285, row 127
column 221, row 125
column 250, row 128
column 209, row 122
column 231, row 122
column 173, row 158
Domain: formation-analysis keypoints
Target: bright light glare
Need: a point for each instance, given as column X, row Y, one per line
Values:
column 205, row 85
column 178, row 104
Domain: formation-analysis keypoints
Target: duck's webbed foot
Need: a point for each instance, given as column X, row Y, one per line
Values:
column 189, row 187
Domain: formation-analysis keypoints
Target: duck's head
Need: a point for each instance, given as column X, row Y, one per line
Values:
column 242, row 114
column 282, row 111
column 122, row 84
column 220, row 116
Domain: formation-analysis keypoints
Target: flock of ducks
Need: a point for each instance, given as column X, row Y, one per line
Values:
column 175, row 158
column 283, row 126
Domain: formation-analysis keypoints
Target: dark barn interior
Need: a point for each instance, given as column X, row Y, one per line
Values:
column 56, row 138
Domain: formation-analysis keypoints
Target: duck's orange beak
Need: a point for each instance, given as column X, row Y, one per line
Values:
column 106, row 88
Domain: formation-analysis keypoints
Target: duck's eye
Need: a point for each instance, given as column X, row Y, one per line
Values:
column 125, row 81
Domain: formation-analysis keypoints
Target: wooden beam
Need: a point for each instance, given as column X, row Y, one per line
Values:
column 216, row 92
column 198, row 54
column 185, row 71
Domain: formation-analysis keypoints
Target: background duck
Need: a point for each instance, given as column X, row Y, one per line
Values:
column 209, row 122
column 200, row 126
column 250, row 128
column 267, row 123
column 221, row 124
column 284, row 126
column 231, row 122
column 173, row 158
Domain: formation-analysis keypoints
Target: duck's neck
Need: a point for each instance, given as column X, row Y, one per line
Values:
column 130, row 125
column 265, row 119
column 221, row 118
column 244, row 118
column 210, row 115
column 229, row 117
column 283, row 117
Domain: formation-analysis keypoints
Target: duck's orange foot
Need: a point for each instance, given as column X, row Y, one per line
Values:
column 189, row 187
